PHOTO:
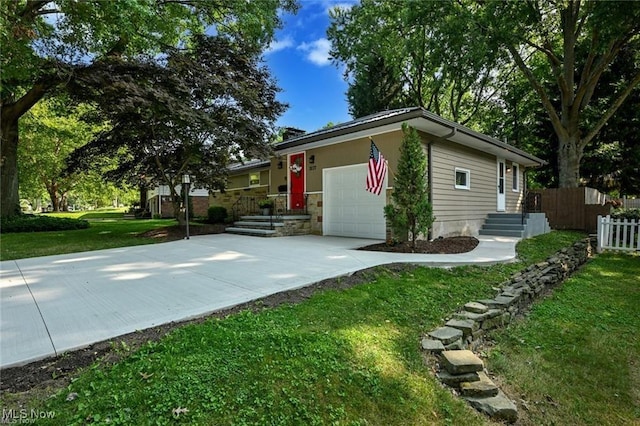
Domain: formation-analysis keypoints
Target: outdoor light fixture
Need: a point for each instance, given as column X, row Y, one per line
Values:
column 186, row 180
column 280, row 164
column 312, row 159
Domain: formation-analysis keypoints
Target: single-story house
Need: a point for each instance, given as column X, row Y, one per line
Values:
column 159, row 201
column 323, row 173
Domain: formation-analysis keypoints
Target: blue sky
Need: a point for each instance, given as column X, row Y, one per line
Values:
column 299, row 60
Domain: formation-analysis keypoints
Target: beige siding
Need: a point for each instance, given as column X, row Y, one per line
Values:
column 514, row 198
column 461, row 211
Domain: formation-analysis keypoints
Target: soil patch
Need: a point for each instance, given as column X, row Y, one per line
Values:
column 450, row 245
column 178, row 232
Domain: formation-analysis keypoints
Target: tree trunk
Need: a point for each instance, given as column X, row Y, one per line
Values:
column 52, row 189
column 569, row 157
column 9, row 198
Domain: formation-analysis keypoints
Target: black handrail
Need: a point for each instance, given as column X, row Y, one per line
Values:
column 531, row 203
column 250, row 205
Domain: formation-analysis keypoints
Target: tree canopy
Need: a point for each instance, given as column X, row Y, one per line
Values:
column 192, row 113
column 47, row 44
column 455, row 57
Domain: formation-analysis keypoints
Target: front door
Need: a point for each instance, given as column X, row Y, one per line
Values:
column 296, row 181
column 502, row 200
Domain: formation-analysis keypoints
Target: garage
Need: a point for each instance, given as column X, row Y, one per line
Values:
column 349, row 210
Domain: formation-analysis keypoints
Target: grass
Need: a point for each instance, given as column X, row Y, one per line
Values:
column 102, row 234
column 342, row 357
column 577, row 358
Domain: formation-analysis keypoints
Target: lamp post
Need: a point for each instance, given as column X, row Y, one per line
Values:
column 186, row 180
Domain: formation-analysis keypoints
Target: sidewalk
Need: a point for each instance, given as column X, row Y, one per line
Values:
column 53, row 304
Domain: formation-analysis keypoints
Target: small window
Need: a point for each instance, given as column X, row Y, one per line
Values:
column 463, row 179
column 254, row 179
column 515, row 186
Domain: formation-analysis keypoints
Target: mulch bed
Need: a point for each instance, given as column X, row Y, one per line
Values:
column 452, row 245
column 52, row 374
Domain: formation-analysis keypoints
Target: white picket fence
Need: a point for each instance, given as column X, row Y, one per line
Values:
column 616, row 234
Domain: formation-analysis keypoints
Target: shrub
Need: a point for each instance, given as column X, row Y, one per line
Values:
column 630, row 214
column 216, row 214
column 33, row 223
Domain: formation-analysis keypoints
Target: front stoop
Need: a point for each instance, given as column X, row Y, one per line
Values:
column 272, row 226
column 515, row 225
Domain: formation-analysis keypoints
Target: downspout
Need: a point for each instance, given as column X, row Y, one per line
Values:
column 430, row 182
column 453, row 132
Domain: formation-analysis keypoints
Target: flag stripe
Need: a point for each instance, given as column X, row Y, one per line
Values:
column 376, row 170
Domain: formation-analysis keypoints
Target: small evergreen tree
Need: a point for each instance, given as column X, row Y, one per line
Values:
column 410, row 211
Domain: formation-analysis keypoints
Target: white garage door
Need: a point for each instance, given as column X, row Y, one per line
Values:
column 348, row 209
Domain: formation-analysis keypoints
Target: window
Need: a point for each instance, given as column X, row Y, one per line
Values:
column 254, row 179
column 463, row 179
column 515, row 186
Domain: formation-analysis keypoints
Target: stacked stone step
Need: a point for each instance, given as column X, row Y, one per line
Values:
column 464, row 371
column 467, row 327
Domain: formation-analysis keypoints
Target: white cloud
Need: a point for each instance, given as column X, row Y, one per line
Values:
column 317, row 51
column 276, row 46
column 343, row 6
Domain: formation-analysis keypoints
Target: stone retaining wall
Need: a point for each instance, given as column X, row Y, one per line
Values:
column 467, row 327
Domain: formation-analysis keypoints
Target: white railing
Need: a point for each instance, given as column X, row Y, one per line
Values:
column 616, row 234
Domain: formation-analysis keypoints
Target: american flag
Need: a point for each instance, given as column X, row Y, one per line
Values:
column 376, row 171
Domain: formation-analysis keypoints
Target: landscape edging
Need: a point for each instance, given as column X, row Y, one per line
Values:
column 467, row 328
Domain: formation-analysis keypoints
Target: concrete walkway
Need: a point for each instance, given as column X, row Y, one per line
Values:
column 53, row 304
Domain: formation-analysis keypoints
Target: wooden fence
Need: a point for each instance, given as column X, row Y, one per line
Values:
column 573, row 208
column 631, row 203
column 617, row 234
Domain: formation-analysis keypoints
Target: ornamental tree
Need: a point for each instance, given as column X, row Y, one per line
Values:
column 192, row 113
column 410, row 211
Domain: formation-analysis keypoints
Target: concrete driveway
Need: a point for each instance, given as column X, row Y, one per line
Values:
column 53, row 304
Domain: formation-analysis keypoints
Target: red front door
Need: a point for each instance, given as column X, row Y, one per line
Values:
column 296, row 181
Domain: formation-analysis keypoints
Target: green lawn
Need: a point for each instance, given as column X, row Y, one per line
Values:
column 102, row 234
column 576, row 360
column 342, row 357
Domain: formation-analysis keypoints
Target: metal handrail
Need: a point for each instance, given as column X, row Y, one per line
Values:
column 249, row 204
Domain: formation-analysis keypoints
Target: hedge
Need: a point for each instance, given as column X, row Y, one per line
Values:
column 33, row 223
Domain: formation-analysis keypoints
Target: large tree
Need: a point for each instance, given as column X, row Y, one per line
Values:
column 575, row 42
column 46, row 44
column 413, row 54
column 452, row 53
column 192, row 113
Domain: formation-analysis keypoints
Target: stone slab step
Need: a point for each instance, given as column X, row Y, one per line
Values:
column 467, row 326
column 432, row 345
column 446, row 335
column 483, row 388
column 253, row 224
column 476, row 308
column 505, row 226
column 462, row 361
column 454, row 380
column 251, row 231
column 497, row 407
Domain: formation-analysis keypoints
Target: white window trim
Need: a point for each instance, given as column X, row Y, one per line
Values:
column 465, row 171
column 516, row 176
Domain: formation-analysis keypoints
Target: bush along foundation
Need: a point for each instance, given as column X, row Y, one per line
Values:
column 453, row 344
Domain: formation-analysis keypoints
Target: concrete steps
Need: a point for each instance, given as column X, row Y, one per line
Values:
column 257, row 226
column 272, row 226
column 504, row 225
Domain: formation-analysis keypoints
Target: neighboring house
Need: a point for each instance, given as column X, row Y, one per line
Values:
column 323, row 174
column 159, row 201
